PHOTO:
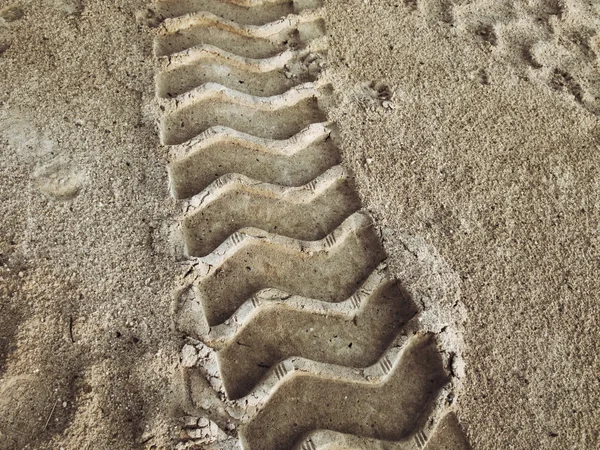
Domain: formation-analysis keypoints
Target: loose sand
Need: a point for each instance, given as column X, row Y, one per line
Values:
column 471, row 128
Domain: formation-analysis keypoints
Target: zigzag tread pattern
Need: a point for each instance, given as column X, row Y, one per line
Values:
column 239, row 201
column 293, row 328
column 246, row 12
column 444, row 436
column 221, row 150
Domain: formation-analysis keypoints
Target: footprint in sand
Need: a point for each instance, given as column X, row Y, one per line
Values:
column 25, row 404
column 8, row 14
column 59, row 179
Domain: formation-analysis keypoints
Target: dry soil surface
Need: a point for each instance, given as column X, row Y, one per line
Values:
column 472, row 129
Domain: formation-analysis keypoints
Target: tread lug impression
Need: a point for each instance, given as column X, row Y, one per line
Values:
column 278, row 117
column 294, row 336
column 247, row 12
column 184, row 71
column 309, row 212
column 219, row 150
column 248, row 41
column 254, row 259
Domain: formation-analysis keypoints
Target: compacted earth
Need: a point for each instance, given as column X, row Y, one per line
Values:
column 472, row 128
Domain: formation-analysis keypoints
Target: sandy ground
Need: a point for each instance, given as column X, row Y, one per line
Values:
column 470, row 127
column 86, row 276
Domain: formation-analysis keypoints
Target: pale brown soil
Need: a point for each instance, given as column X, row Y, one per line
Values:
column 474, row 141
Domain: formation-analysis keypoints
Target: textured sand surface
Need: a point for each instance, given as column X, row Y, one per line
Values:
column 472, row 132
column 499, row 172
column 85, row 280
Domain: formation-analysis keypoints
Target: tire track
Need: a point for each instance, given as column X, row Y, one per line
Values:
column 234, row 201
column 181, row 33
column 362, row 326
column 250, row 260
column 181, row 72
column 278, row 117
column 219, row 150
column 247, row 12
column 295, row 336
column 340, row 398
